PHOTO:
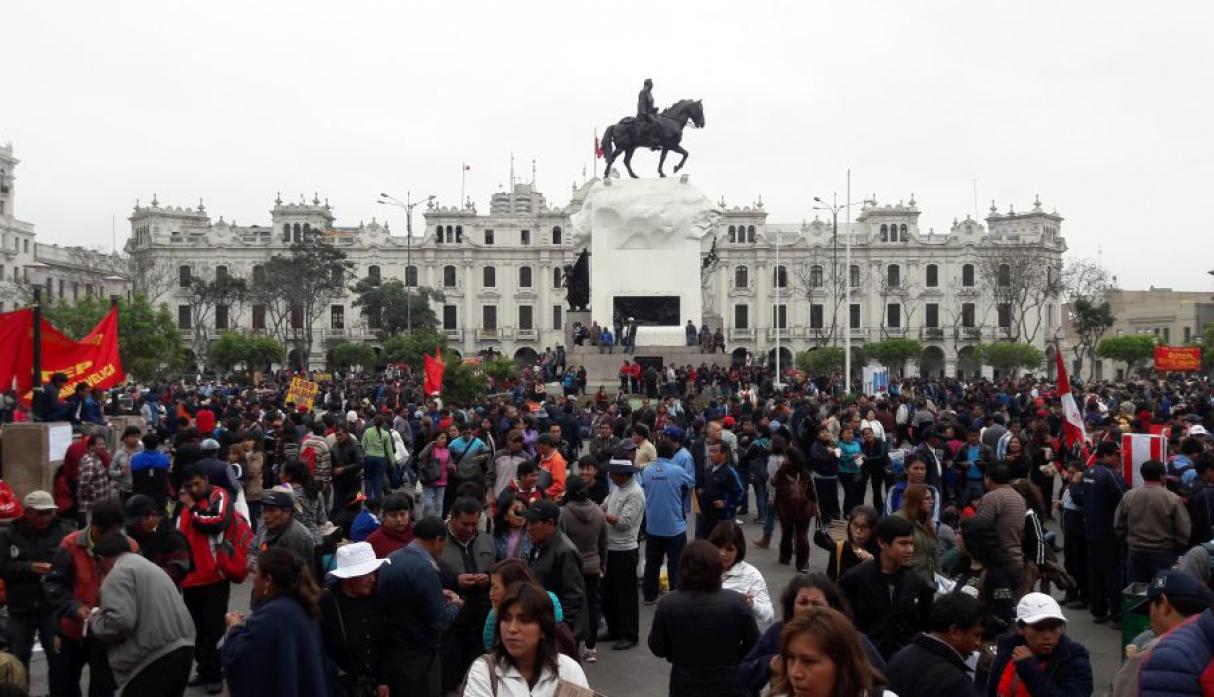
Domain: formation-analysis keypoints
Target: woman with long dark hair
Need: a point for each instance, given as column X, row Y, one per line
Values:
column 277, row 650
column 860, row 545
column 703, row 630
column 803, row 593
column 917, row 506
column 525, row 659
column 510, row 527
column 820, row 656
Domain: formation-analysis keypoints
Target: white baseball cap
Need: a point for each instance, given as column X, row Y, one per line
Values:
column 351, row 416
column 1198, row 430
column 356, row 559
column 1037, row 607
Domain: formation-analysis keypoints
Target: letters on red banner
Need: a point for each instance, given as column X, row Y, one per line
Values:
column 94, row 360
column 1177, row 358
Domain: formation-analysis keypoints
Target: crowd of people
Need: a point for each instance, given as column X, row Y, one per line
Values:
column 391, row 544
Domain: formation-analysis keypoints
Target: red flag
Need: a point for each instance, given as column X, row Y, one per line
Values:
column 1072, row 422
column 1137, row 448
column 94, row 360
column 433, row 368
column 598, row 148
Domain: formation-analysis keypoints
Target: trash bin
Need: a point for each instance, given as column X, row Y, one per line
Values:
column 1132, row 623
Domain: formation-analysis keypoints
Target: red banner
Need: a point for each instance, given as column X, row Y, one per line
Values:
column 94, row 360
column 1177, row 358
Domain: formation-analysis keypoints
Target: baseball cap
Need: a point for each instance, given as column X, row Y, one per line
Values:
column 1175, row 583
column 277, row 498
column 1038, row 607
column 728, row 422
column 675, row 433
column 774, row 426
column 40, row 501
column 1107, row 447
column 139, row 507
column 543, row 510
column 209, row 444
column 351, row 416
column 1198, row 430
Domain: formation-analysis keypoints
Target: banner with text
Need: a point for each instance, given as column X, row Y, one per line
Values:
column 1177, row 358
column 94, row 360
column 301, row 393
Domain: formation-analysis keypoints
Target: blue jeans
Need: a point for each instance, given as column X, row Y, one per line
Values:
column 769, row 521
column 432, row 500
column 373, row 476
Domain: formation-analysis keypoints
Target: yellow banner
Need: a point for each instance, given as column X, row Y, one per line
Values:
column 302, row 392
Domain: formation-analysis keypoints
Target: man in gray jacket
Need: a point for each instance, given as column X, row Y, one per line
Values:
column 144, row 622
column 556, row 563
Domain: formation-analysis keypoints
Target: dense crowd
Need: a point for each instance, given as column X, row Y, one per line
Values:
column 399, row 545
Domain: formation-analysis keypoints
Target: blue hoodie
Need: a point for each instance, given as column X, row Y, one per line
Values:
column 665, row 485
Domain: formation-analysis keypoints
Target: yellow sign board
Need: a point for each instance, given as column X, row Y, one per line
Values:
column 302, row 392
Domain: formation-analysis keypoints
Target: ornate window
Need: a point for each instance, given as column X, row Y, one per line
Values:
column 885, row 233
column 750, row 234
column 733, row 234
column 933, row 276
column 741, row 277
column 524, row 277
column 893, row 276
column 780, row 277
column 815, row 276
column 448, row 276
column 967, row 275
column 411, row 276
column 489, row 277
column 373, row 275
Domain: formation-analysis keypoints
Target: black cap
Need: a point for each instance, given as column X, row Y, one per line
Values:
column 543, row 510
column 1175, row 584
column 139, row 507
column 1107, row 447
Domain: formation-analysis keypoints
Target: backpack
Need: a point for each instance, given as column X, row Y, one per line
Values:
column 10, row 506
column 428, row 468
column 469, row 466
column 232, row 551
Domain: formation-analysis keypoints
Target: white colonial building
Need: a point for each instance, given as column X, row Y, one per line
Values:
column 59, row 272
column 498, row 274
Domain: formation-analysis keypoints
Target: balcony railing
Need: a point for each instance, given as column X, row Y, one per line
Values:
column 741, row 334
column 489, row 334
column 784, row 333
column 531, row 334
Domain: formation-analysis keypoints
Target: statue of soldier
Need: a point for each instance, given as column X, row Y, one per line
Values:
column 646, row 112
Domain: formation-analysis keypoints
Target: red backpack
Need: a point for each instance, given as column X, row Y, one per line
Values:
column 308, row 456
column 232, row 552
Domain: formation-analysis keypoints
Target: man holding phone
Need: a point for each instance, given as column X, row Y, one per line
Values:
column 464, row 565
column 29, row 545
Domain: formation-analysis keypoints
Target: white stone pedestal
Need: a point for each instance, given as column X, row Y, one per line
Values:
column 644, row 240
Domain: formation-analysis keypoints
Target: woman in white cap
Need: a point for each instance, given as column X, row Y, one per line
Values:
column 1039, row 659
column 352, row 621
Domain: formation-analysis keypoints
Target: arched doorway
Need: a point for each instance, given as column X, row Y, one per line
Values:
column 293, row 362
column 931, row 363
column 967, row 363
column 786, row 359
column 738, row 357
column 1051, row 371
column 526, row 356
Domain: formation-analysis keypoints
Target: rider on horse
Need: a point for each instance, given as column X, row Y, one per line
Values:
column 646, row 111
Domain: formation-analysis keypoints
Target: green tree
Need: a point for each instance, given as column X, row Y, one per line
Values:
column 148, row 340
column 1133, row 350
column 386, row 305
column 1011, row 356
column 353, row 353
column 1207, row 347
column 1090, row 319
column 894, row 353
column 823, row 361
column 408, row 349
column 234, row 348
column 462, row 384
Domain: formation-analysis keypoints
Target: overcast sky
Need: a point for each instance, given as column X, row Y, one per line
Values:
column 1102, row 108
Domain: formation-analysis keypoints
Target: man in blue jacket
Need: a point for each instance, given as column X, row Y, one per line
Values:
column 665, row 485
column 1098, row 491
column 419, row 609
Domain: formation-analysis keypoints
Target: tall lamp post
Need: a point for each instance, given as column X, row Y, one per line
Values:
column 407, row 205
column 833, row 208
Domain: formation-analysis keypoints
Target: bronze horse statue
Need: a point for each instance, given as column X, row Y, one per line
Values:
column 626, row 136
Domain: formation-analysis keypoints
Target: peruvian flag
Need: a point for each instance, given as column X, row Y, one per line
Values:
column 1072, row 423
column 1137, row 448
column 433, row 369
column 598, row 148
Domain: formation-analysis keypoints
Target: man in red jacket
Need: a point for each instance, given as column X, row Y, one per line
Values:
column 206, row 511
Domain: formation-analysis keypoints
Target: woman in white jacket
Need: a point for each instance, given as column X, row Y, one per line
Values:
column 738, row 574
column 525, row 660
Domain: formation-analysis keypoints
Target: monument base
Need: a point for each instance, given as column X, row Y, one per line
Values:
column 661, row 336
column 604, row 368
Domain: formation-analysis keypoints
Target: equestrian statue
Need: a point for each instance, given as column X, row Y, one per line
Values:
column 652, row 130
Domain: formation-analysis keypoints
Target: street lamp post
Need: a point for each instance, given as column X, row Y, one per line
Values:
column 408, row 204
column 834, row 207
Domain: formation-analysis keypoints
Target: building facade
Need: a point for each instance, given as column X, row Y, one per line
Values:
column 498, row 275
column 59, row 272
column 1171, row 318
